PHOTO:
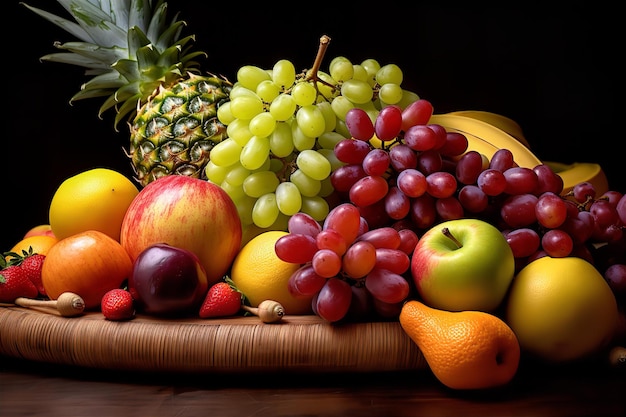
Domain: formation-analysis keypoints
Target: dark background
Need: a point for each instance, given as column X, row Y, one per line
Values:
column 555, row 72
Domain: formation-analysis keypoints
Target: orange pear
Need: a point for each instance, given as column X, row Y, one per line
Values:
column 464, row 349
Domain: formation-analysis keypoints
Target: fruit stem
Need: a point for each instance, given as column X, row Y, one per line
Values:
column 321, row 51
column 450, row 236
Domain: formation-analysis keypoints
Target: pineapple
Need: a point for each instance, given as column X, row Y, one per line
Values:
column 137, row 60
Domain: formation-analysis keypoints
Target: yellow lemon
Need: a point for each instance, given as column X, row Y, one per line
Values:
column 561, row 309
column 261, row 275
column 96, row 199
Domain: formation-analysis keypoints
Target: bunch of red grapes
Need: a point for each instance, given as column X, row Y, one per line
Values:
column 421, row 175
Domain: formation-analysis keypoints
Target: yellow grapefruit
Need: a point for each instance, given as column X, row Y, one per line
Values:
column 40, row 244
column 261, row 275
column 561, row 309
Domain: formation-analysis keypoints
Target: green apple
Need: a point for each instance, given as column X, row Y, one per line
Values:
column 463, row 264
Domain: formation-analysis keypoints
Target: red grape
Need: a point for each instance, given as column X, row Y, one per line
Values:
column 408, row 241
column 429, row 162
column 469, row 167
column 368, row 190
column 333, row 301
column 382, row 237
column 387, row 286
column 376, row 162
column 492, row 182
column 473, row 199
column 557, row 243
column 547, row 180
column 344, row 177
column 393, row 260
column 456, row 143
column 351, row 151
column 550, row 210
column 326, row 263
column 296, row 248
column 416, row 113
column 333, row 240
column 359, row 124
column 421, row 138
column 346, row 219
column 303, row 224
column 520, row 180
column 359, row 259
column 423, row 211
column 304, row 282
column 412, row 182
column 583, row 191
column 388, row 123
column 397, row 204
column 501, row 160
column 519, row 210
column 449, row 208
column 441, row 184
column 402, row 157
column 523, row 241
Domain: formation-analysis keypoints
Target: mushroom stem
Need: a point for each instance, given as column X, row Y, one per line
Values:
column 67, row 305
column 269, row 311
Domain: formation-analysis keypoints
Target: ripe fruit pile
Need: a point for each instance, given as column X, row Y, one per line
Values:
column 282, row 129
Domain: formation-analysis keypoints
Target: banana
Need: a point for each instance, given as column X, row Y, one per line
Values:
column 578, row 172
column 486, row 138
column 510, row 126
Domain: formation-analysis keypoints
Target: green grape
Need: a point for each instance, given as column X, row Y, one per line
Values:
column 371, row 66
column 301, row 141
column 288, row 198
column 357, row 91
column 315, row 207
column 281, row 140
column 226, row 153
column 277, row 165
column 311, row 120
column 328, row 89
column 304, row 93
column 328, row 140
column 259, row 183
column 330, row 156
column 224, row 114
column 313, row 164
column 267, row 90
column 360, row 73
column 342, row 129
column 245, row 205
column 408, row 97
column 236, row 174
column 341, row 105
column 283, row 107
column 262, row 124
column 254, row 154
column 265, row 210
column 341, row 69
column 390, row 73
column 284, row 73
column 239, row 131
column 390, row 93
column 330, row 119
column 308, row 186
column 250, row 76
column 238, row 90
column 246, row 107
column 215, row 173
column 235, row 192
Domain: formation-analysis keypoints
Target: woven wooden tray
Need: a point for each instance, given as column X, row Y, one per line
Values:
column 232, row 345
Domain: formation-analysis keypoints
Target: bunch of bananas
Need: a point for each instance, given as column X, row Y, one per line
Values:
column 487, row 132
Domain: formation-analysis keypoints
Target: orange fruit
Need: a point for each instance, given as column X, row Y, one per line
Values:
column 40, row 244
column 96, row 199
column 261, row 275
column 562, row 309
column 463, row 349
column 89, row 264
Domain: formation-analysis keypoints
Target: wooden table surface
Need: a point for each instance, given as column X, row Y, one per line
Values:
column 41, row 389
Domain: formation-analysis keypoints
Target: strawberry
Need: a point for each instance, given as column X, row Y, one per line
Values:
column 14, row 283
column 32, row 264
column 221, row 300
column 117, row 304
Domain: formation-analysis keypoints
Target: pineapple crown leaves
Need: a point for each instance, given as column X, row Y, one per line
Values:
column 128, row 46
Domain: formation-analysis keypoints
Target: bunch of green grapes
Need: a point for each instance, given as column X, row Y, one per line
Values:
column 282, row 129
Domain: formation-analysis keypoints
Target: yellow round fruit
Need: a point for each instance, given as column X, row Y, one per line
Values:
column 39, row 243
column 561, row 309
column 261, row 275
column 96, row 199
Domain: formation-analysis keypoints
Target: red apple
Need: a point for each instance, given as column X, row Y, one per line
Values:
column 167, row 280
column 187, row 213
